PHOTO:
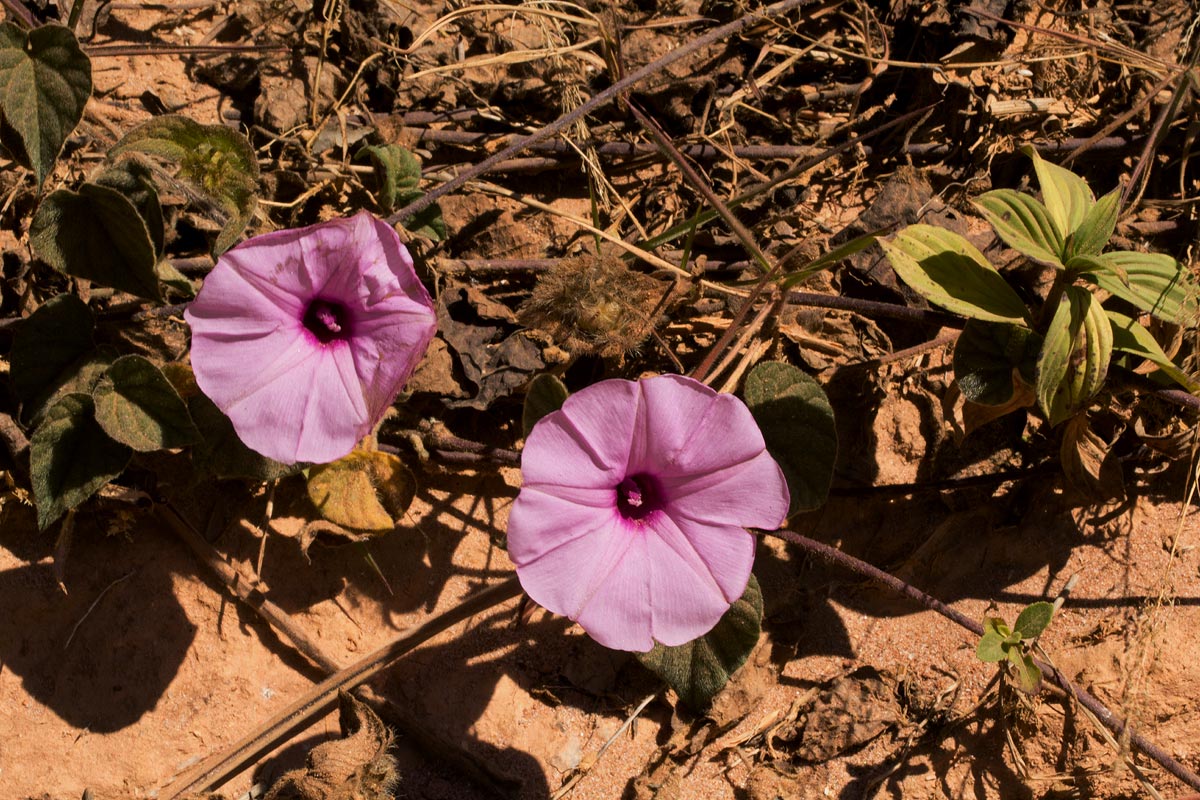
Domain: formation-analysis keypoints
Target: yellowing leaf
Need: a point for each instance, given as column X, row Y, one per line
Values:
column 366, row 491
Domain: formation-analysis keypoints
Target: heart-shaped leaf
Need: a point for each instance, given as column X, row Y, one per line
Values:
column 97, row 234
column 214, row 159
column 45, row 81
column 366, row 491
column 1024, row 225
column 948, row 271
column 1033, row 619
column 1075, row 355
column 797, row 423
column 546, row 394
column 54, row 337
column 134, row 179
column 985, row 356
column 70, row 457
column 137, row 406
column 701, row 668
column 397, row 171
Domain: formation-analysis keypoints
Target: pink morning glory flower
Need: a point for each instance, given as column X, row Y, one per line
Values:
column 633, row 514
column 304, row 337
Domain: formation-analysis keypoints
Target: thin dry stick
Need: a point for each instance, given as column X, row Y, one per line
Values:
column 599, row 100
column 1107, row 717
column 321, row 698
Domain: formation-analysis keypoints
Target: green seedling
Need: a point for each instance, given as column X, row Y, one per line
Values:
column 1001, row 643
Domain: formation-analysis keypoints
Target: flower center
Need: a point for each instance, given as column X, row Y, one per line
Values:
column 638, row 496
column 327, row 321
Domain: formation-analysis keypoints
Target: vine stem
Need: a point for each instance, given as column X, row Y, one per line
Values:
column 597, row 101
column 1110, row 720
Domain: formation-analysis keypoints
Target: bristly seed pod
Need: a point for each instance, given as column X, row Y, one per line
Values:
column 595, row 305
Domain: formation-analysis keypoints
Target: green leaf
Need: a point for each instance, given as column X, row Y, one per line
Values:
column 834, row 256
column 948, row 271
column 71, row 457
column 428, row 222
column 97, row 234
column 546, row 394
column 698, row 670
column 797, row 423
column 1153, row 282
column 1028, row 674
column 396, row 171
column 54, row 338
column 366, row 491
column 1130, row 336
column 1096, row 229
column 137, row 406
column 135, row 181
column 985, row 356
column 1067, row 196
column 221, row 454
column 991, row 647
column 1024, row 225
column 1075, row 355
column 45, row 82
column 213, row 159
column 1034, row 619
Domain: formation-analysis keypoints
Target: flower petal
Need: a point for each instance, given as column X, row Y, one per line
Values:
column 751, row 494
column 686, row 428
column 685, row 599
column 721, row 555
column 586, row 442
column 618, row 611
column 540, row 521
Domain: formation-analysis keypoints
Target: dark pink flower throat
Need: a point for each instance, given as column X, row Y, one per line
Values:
column 327, row 320
column 638, row 496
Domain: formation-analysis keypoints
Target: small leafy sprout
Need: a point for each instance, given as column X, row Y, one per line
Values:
column 1002, row 643
column 1008, row 357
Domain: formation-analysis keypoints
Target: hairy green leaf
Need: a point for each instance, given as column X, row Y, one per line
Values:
column 991, row 647
column 797, row 423
column 1153, row 282
column 546, row 394
column 134, row 179
column 948, row 271
column 699, row 669
column 365, row 491
column 397, row 172
column 1024, row 225
column 1096, row 229
column 1130, row 336
column 1075, row 355
column 1067, row 196
column 45, row 82
column 985, row 356
column 1033, row 619
column 97, row 234
column 137, row 406
column 214, row 159
column 54, row 338
column 70, row 457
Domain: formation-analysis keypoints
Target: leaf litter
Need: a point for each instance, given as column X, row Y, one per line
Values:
column 821, row 718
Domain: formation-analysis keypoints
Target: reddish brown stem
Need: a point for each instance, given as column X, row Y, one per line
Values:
column 1110, row 720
